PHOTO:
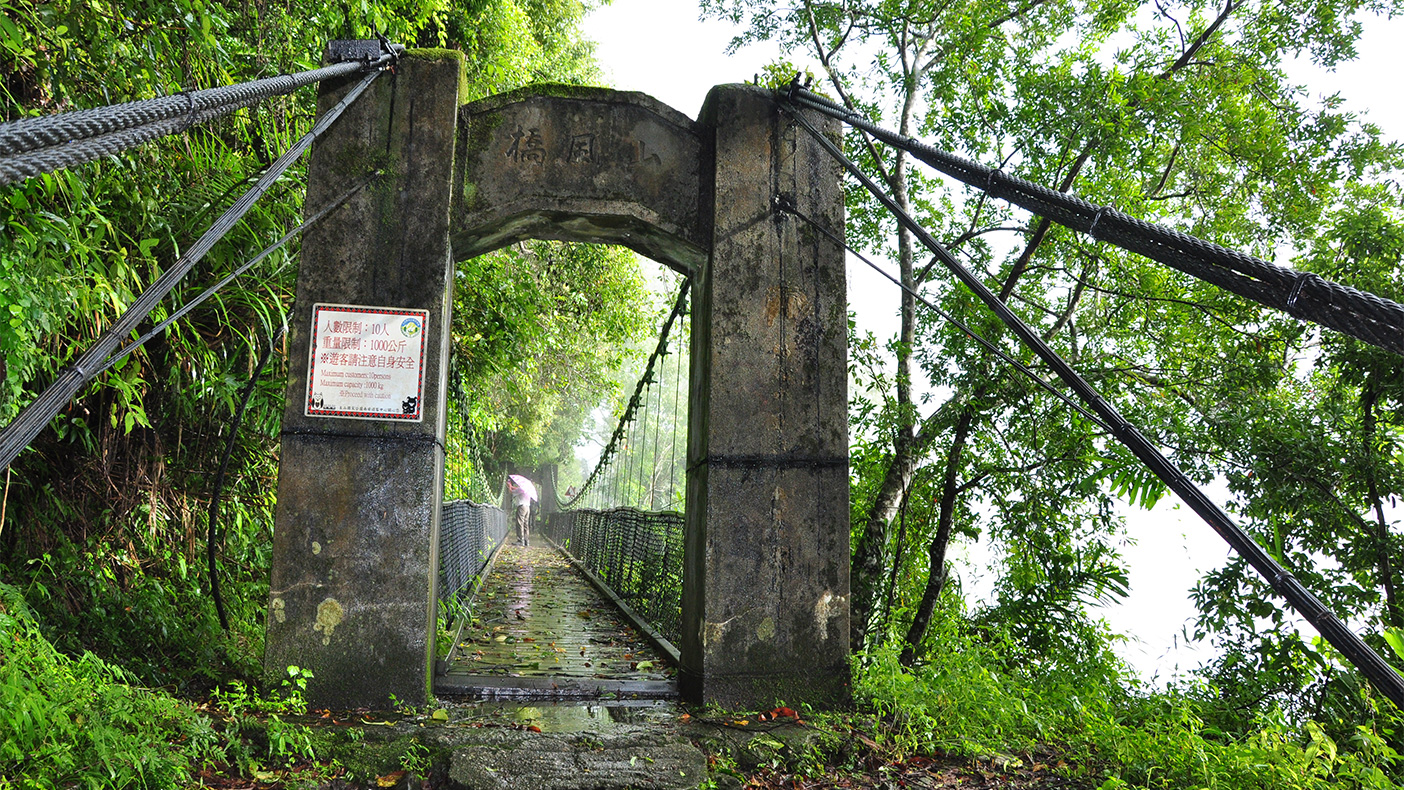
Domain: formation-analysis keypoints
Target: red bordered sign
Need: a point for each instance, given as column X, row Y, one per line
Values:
column 366, row 363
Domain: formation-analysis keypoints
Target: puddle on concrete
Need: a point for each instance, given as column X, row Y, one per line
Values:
column 568, row 715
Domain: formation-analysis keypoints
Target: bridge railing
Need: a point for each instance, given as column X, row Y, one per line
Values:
column 635, row 553
column 469, row 533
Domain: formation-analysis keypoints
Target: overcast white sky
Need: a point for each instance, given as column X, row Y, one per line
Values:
column 660, row 48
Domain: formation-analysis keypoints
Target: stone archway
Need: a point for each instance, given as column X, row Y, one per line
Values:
column 765, row 608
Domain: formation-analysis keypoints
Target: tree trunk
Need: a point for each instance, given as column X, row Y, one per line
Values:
column 936, row 552
column 870, row 555
column 1392, row 613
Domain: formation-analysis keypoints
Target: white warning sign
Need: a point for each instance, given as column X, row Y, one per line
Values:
column 366, row 363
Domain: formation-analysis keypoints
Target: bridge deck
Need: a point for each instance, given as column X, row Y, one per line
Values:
column 539, row 629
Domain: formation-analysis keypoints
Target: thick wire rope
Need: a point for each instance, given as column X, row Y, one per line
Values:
column 20, row 432
column 32, row 146
column 1306, row 296
column 1361, row 655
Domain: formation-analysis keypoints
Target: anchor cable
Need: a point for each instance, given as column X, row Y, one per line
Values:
column 33, row 146
column 788, row 207
column 19, row 433
column 249, row 264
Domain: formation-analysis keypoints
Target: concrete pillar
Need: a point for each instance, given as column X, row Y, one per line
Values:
column 546, row 488
column 355, row 540
column 765, row 591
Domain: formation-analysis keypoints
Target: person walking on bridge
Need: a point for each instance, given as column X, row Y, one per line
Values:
column 523, row 494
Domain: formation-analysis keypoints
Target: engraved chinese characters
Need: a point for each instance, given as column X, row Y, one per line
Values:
column 530, row 146
column 594, row 165
column 526, row 146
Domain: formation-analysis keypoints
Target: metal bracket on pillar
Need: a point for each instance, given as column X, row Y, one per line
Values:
column 367, row 50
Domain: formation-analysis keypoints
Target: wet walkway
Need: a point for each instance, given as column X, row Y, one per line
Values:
column 540, row 630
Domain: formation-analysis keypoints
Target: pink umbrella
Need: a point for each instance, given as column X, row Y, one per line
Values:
column 527, row 487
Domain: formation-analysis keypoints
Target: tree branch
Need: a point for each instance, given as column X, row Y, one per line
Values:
column 1229, row 7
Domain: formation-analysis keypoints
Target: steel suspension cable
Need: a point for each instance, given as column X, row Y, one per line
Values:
column 617, row 438
column 638, row 427
column 673, row 441
column 789, row 207
column 31, row 146
column 657, row 429
column 1361, row 655
column 645, row 459
column 19, row 433
column 1303, row 295
column 213, row 289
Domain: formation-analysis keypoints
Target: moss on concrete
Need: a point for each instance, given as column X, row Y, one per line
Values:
column 359, row 161
column 366, row 756
column 476, row 137
column 439, row 55
column 434, row 53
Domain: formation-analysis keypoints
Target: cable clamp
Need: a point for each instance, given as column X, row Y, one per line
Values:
column 189, row 109
column 1297, row 284
column 785, row 202
column 1096, row 218
column 990, row 180
column 392, row 50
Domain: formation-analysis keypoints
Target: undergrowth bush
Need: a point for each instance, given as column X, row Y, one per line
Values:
column 76, row 722
column 966, row 700
column 82, row 722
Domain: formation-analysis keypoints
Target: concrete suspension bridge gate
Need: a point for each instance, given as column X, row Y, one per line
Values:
column 766, row 561
column 406, row 180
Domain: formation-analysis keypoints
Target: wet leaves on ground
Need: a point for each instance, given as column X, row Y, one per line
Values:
column 537, row 616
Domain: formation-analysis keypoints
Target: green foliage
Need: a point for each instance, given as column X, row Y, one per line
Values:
column 81, row 722
column 1180, row 115
column 971, row 700
column 105, row 519
column 539, row 331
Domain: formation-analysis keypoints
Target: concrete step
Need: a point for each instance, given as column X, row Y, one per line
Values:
column 624, row 757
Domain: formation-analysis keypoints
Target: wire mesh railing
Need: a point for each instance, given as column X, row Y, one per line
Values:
column 637, row 554
column 625, row 522
column 469, row 533
column 465, row 474
column 472, row 524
